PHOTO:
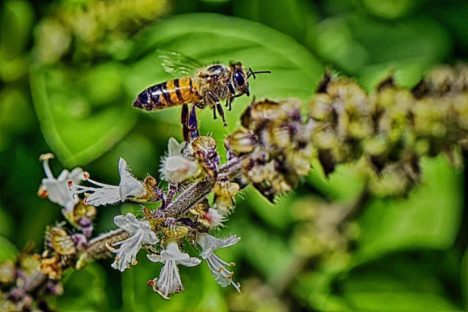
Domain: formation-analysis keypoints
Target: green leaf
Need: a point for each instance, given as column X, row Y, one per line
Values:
column 7, row 249
column 453, row 17
column 15, row 111
column 212, row 38
column 16, row 19
column 406, row 74
column 277, row 214
column 15, row 27
column 464, row 279
column 64, row 100
column 355, row 42
column 84, row 290
column 428, row 218
column 419, row 39
column 293, row 17
column 390, row 8
column 398, row 283
column 399, row 301
column 6, row 223
column 213, row 296
column 315, row 287
column 337, row 186
column 267, row 252
column 332, row 40
column 139, row 152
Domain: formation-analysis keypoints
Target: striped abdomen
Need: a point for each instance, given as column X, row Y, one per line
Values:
column 167, row 94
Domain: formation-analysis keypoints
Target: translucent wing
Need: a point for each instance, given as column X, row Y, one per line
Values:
column 178, row 64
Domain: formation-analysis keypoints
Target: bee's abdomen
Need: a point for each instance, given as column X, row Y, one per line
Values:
column 167, row 94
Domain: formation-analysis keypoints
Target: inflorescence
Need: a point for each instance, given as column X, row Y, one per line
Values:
column 388, row 131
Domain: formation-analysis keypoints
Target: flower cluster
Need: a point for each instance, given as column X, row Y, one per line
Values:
column 391, row 128
column 160, row 232
column 274, row 144
column 22, row 284
column 85, row 28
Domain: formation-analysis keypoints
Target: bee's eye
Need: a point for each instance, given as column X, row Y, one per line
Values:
column 239, row 78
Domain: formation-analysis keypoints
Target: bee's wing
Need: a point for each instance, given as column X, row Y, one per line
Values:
column 178, row 64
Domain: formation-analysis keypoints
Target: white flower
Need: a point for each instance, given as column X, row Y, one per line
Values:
column 103, row 194
column 169, row 280
column 217, row 266
column 140, row 233
column 176, row 168
column 57, row 188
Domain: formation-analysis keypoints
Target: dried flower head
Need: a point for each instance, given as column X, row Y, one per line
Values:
column 274, row 144
column 391, row 128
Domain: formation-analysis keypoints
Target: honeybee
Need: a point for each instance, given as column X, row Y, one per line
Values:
column 201, row 86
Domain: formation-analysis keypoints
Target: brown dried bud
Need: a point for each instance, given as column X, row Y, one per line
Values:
column 275, row 145
column 391, row 128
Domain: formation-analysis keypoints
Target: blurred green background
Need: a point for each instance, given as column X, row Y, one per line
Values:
column 70, row 69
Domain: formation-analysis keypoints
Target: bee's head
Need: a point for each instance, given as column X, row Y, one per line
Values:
column 240, row 78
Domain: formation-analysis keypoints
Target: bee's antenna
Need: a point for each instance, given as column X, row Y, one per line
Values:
column 252, row 73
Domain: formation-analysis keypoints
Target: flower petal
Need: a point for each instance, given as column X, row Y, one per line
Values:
column 207, row 241
column 128, row 222
column 127, row 252
column 218, row 266
column 103, row 196
column 59, row 193
column 129, row 186
column 173, row 253
column 76, row 175
column 177, row 169
column 175, row 148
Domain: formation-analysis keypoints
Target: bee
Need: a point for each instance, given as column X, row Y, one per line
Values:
column 201, row 86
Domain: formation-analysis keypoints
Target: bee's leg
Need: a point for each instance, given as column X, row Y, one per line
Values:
column 231, row 99
column 193, row 123
column 221, row 113
column 210, row 101
column 229, row 103
column 189, row 123
column 217, row 106
column 184, row 119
